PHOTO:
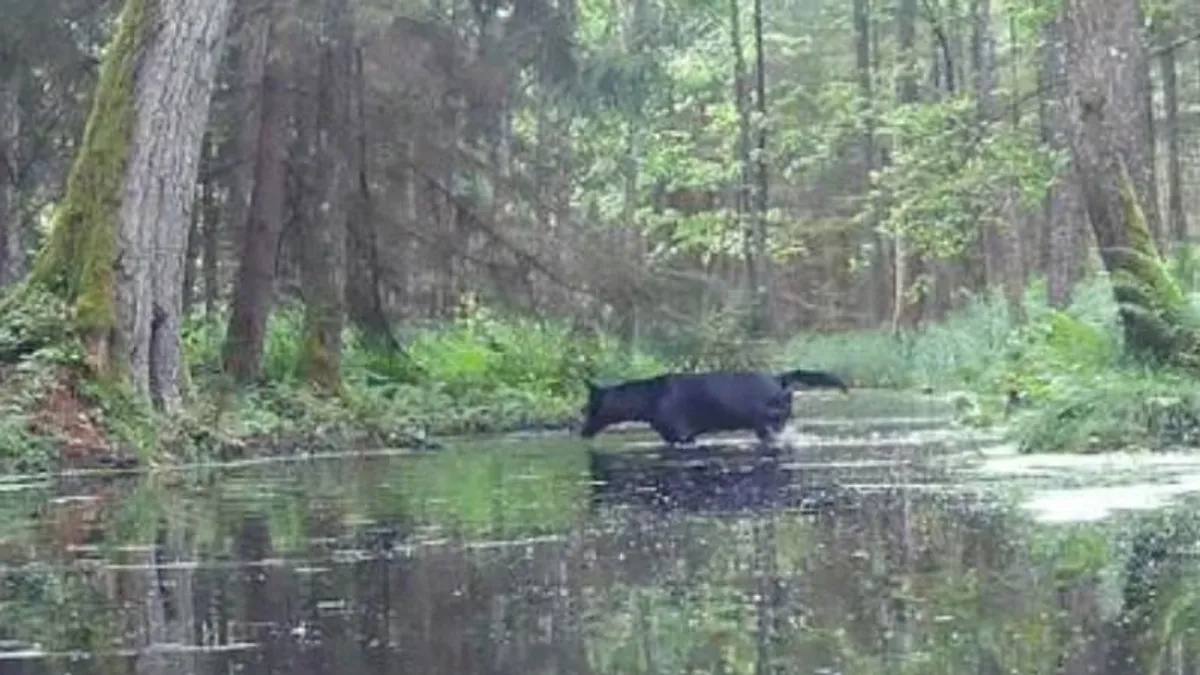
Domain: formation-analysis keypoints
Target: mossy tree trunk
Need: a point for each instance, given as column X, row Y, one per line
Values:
column 117, row 244
column 1110, row 150
column 326, row 154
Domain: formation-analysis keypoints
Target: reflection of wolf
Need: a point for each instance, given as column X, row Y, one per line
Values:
column 708, row 480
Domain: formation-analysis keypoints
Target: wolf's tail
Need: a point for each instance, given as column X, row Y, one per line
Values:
column 811, row 378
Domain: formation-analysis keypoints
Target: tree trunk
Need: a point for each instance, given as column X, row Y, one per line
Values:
column 192, row 249
column 195, row 234
column 255, row 38
column 1067, row 240
column 1149, row 174
column 1109, row 145
column 363, row 300
column 267, row 155
column 210, row 220
column 324, row 203
column 742, row 104
column 1001, row 246
column 906, row 29
column 764, row 293
column 1176, row 218
column 117, row 244
column 12, row 252
column 875, row 298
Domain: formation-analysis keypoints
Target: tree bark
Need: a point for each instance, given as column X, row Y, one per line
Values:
column 210, row 221
column 902, row 262
column 764, row 294
column 1109, row 146
column 267, row 155
column 1149, row 174
column 875, row 292
column 195, row 234
column 12, row 252
column 324, row 203
column 118, row 241
column 1001, row 246
column 742, row 104
column 1176, row 218
column 365, row 274
column 174, row 88
column 255, row 41
column 1068, row 238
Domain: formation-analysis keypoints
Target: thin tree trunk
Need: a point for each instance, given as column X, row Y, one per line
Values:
column 195, row 233
column 1176, row 218
column 1149, row 173
column 12, row 252
column 628, row 309
column 875, row 303
column 252, row 288
column 753, row 267
column 1067, row 239
column 875, row 296
column 363, row 300
column 322, row 249
column 764, row 293
column 906, row 28
column 254, row 42
column 1001, row 246
column 210, row 220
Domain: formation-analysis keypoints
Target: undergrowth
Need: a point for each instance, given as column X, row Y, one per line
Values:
column 1061, row 378
column 478, row 373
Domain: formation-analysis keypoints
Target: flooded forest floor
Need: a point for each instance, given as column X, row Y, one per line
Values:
column 884, row 537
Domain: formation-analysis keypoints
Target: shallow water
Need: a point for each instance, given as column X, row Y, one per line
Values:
column 881, row 540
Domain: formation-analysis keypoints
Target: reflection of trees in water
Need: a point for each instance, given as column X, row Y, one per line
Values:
column 896, row 581
column 1155, row 628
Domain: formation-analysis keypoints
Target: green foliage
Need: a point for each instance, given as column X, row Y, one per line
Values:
column 718, row 341
column 479, row 372
column 1076, row 386
column 36, row 348
column 34, row 319
column 1114, row 412
column 955, row 353
column 946, row 177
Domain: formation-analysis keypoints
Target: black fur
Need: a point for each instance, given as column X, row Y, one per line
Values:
column 682, row 406
column 812, row 378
